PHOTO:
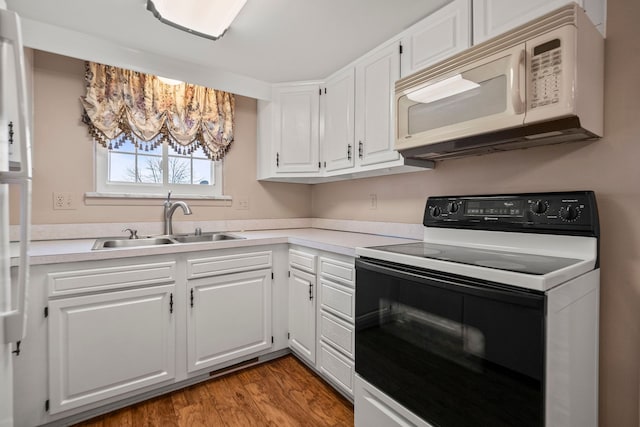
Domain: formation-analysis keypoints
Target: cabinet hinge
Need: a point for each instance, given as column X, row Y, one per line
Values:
column 46, row 312
column 46, row 405
column 272, row 275
column 400, row 49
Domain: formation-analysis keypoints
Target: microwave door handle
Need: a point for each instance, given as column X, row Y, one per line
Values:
column 518, row 87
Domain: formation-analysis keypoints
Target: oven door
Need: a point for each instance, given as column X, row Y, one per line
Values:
column 453, row 350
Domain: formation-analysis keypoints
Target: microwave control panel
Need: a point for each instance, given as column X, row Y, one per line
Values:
column 546, row 67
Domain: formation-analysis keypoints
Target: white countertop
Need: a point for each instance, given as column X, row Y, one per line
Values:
column 341, row 242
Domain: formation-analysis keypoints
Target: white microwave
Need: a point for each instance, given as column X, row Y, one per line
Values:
column 540, row 83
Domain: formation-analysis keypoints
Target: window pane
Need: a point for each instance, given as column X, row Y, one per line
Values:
column 179, row 170
column 202, row 172
column 127, row 147
column 150, row 169
column 199, row 153
column 122, row 167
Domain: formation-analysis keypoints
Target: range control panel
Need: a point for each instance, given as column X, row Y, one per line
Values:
column 573, row 213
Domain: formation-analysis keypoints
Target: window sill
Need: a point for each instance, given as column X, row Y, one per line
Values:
column 128, row 199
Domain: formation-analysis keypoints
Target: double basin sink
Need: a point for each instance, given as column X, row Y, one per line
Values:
column 125, row 242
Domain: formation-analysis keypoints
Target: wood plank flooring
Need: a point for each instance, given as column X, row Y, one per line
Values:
column 282, row 392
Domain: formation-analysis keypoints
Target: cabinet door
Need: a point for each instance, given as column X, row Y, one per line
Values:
column 338, row 101
column 302, row 314
column 493, row 17
column 437, row 37
column 229, row 317
column 103, row 345
column 296, row 129
column 375, row 86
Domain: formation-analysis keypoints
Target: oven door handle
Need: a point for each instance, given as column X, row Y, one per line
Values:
column 461, row 284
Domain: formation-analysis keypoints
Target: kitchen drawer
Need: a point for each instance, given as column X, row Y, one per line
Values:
column 302, row 261
column 226, row 264
column 337, row 299
column 338, row 333
column 337, row 270
column 339, row 369
column 110, row 278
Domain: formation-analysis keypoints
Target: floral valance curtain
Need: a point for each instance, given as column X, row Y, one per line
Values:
column 123, row 105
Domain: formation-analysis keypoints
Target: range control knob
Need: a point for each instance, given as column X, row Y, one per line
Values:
column 436, row 211
column 452, row 207
column 539, row 207
column 569, row 213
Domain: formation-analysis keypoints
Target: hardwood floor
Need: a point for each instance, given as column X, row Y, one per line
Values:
column 282, row 392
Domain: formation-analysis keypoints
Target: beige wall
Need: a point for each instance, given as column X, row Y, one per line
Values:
column 63, row 161
column 610, row 167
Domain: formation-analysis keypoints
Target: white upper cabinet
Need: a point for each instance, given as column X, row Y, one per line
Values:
column 493, row 17
column 437, row 37
column 376, row 75
column 295, row 133
column 338, row 101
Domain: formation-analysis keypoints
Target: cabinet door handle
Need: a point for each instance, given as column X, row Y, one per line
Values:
column 191, row 297
column 10, row 133
column 360, row 149
column 277, row 160
column 349, row 152
column 171, row 303
column 310, row 291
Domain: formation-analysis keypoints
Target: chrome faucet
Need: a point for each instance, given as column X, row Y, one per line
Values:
column 169, row 208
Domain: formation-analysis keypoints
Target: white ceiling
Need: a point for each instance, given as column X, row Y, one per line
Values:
column 270, row 41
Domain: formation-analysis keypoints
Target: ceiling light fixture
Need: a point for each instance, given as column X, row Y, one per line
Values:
column 442, row 89
column 208, row 18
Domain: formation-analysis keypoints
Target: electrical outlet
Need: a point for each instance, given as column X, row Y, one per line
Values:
column 63, row 201
column 373, row 201
column 243, row 204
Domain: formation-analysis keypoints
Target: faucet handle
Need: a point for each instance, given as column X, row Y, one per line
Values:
column 133, row 234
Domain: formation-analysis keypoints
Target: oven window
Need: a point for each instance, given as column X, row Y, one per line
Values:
column 454, row 354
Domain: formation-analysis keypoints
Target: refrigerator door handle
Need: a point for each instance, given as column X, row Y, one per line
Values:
column 15, row 324
column 10, row 30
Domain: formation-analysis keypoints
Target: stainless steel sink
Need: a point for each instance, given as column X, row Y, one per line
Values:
column 115, row 242
column 204, row 237
column 125, row 242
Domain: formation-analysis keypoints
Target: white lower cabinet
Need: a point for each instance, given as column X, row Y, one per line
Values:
column 229, row 317
column 106, row 344
column 302, row 305
column 105, row 334
column 336, row 337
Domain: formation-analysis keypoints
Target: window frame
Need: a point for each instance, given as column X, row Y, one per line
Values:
column 103, row 186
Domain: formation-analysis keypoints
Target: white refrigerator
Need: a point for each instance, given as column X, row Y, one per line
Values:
column 15, row 180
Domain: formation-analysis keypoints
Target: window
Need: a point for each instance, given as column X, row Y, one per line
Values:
column 155, row 171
